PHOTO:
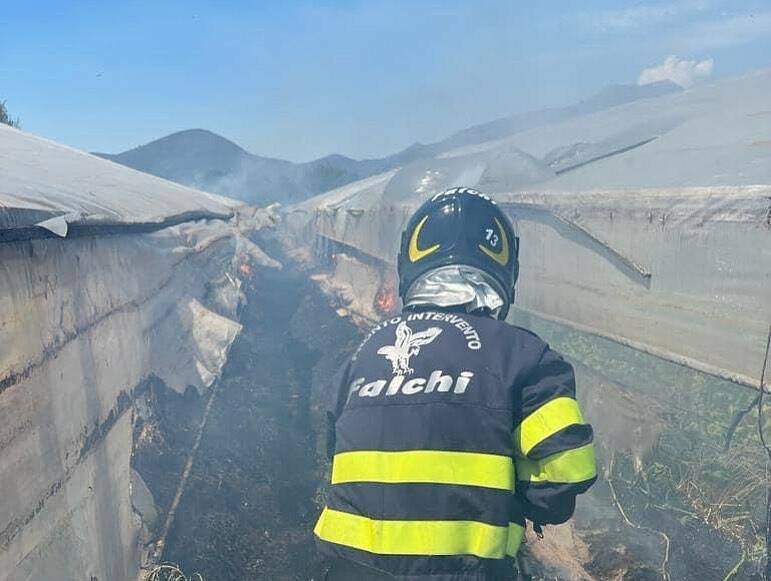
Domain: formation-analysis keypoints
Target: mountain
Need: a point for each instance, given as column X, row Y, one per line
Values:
column 207, row 161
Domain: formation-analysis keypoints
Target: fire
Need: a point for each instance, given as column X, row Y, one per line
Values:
column 245, row 269
column 385, row 303
column 386, row 297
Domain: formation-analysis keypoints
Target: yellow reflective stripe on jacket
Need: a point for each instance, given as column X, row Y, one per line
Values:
column 516, row 534
column 546, row 421
column 400, row 537
column 568, row 467
column 425, row 466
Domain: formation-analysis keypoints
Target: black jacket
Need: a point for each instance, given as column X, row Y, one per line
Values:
column 449, row 430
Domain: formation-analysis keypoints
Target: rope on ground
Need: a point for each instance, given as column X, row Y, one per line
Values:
column 160, row 545
column 737, row 419
column 761, row 433
column 662, row 534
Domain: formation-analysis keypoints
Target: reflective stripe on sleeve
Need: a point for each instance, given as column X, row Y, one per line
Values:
column 546, row 421
column 399, row 537
column 425, row 466
column 516, row 533
column 568, row 467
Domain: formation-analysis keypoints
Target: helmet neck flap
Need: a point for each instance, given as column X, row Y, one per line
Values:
column 456, row 285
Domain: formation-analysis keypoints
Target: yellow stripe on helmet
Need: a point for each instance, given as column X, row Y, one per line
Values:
column 416, row 253
column 502, row 256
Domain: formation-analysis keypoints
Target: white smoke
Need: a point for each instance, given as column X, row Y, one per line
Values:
column 683, row 72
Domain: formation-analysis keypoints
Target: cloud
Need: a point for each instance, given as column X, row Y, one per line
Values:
column 683, row 72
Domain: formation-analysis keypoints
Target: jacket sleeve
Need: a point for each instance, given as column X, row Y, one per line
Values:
column 554, row 455
column 335, row 397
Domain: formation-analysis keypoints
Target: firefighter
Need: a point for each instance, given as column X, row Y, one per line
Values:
column 449, row 428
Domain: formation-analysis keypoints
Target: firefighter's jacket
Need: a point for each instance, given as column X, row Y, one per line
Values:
column 449, row 430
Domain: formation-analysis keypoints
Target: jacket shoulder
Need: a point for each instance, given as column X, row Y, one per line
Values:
column 527, row 335
column 517, row 337
column 520, row 352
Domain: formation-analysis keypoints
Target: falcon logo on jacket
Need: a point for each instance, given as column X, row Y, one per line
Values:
column 407, row 345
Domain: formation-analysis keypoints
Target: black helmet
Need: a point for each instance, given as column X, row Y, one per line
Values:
column 460, row 226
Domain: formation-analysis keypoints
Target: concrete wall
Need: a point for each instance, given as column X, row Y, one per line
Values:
column 83, row 323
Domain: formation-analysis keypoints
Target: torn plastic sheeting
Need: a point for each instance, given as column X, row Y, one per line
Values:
column 58, row 225
column 191, row 346
column 142, row 500
column 226, row 295
column 249, row 219
column 85, row 280
column 246, row 250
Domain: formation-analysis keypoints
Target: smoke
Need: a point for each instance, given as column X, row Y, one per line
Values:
column 680, row 71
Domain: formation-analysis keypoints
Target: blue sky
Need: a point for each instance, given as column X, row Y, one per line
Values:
column 299, row 80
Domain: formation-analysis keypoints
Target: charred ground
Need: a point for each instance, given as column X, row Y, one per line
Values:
column 251, row 499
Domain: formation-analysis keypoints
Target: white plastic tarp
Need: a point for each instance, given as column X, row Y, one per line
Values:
column 44, row 182
column 682, row 273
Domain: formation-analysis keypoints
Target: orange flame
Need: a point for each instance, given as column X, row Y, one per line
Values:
column 386, row 297
column 245, row 269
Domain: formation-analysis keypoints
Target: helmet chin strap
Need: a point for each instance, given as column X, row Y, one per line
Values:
column 504, row 311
